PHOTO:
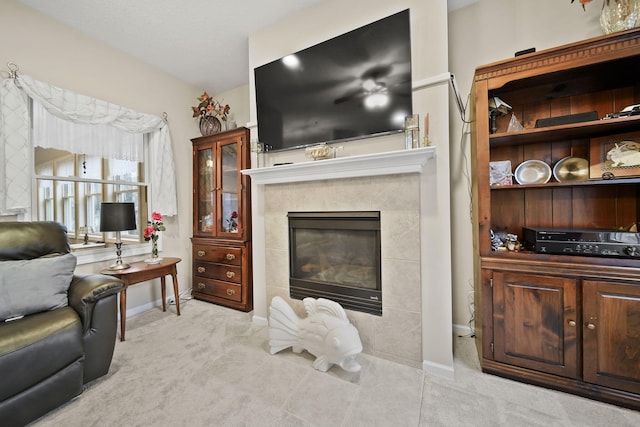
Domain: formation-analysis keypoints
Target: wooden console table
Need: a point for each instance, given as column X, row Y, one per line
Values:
column 141, row 272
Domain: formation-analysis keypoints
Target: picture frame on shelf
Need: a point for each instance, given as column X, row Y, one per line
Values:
column 617, row 155
column 500, row 173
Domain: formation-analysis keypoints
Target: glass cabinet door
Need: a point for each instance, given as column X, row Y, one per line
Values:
column 230, row 188
column 205, row 191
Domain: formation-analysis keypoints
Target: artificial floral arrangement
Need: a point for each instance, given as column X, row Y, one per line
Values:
column 210, row 107
column 232, row 221
column 151, row 232
column 583, row 2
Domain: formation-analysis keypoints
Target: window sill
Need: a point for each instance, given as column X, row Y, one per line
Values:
column 90, row 245
column 90, row 256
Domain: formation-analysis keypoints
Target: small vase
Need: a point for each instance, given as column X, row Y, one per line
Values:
column 155, row 259
column 209, row 125
column 619, row 15
column 154, row 248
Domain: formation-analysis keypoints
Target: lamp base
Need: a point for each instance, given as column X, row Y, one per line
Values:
column 120, row 266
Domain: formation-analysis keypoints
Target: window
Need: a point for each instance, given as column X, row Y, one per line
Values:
column 78, row 166
column 71, row 187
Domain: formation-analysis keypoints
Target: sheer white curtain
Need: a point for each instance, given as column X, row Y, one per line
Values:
column 98, row 140
column 15, row 146
column 15, row 154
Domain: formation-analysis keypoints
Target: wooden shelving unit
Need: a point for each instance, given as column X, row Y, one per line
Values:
column 567, row 322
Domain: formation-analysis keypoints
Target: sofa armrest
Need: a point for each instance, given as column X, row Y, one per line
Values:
column 86, row 290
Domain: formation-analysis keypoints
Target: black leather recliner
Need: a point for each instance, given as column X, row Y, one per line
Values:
column 47, row 357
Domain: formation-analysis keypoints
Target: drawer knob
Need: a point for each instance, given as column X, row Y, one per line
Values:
column 230, row 274
column 572, row 323
column 201, row 285
column 231, row 257
column 201, row 253
column 201, row 269
column 591, row 326
column 231, row 292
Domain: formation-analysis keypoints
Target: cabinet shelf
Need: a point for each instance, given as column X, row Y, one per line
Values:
column 590, row 182
column 625, row 268
column 589, row 129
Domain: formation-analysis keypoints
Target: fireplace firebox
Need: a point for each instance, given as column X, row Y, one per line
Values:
column 336, row 255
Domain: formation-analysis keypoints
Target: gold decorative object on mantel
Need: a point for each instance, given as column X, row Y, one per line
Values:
column 319, row 152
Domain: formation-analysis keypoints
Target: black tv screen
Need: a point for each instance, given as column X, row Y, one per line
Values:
column 352, row 86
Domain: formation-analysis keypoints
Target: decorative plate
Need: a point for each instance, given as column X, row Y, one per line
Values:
column 571, row 169
column 532, row 172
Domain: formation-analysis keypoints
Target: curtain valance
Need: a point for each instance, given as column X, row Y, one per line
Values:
column 99, row 140
column 15, row 155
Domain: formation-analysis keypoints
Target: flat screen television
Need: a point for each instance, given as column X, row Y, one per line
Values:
column 352, row 86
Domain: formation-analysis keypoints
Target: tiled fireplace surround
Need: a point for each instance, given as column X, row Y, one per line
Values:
column 350, row 185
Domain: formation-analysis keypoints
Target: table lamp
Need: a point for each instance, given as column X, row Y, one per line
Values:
column 497, row 107
column 85, row 230
column 117, row 217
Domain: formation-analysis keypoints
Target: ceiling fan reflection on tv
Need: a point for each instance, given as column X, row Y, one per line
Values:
column 373, row 90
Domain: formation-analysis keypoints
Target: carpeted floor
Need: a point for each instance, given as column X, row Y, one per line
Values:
column 212, row 367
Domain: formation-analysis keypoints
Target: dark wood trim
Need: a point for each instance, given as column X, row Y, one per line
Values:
column 568, row 385
column 586, row 52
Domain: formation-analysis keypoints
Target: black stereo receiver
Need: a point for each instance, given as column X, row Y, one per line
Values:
column 588, row 242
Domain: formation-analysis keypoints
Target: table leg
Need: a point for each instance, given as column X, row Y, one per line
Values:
column 123, row 312
column 164, row 293
column 174, row 279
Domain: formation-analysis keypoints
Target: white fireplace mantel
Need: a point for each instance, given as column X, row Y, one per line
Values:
column 385, row 163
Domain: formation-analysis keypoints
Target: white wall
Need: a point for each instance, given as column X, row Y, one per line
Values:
column 54, row 53
column 483, row 32
column 238, row 100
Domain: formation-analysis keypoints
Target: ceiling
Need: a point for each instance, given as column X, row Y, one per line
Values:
column 202, row 42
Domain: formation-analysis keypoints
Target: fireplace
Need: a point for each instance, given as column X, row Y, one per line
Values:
column 336, row 255
column 413, row 200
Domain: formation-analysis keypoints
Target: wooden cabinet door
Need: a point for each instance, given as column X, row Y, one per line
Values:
column 611, row 334
column 229, row 191
column 535, row 320
column 221, row 194
column 204, row 189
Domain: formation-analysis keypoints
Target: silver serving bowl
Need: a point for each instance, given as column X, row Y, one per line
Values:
column 533, row 172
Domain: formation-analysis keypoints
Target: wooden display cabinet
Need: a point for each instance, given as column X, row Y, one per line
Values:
column 222, row 220
column 563, row 321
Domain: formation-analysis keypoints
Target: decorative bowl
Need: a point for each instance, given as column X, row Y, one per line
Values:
column 532, row 172
column 571, row 169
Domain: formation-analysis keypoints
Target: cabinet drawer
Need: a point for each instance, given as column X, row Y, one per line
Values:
column 216, row 288
column 232, row 256
column 224, row 272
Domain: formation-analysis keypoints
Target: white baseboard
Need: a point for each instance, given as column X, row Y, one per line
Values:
column 260, row 321
column 443, row 370
column 185, row 295
column 462, row 330
column 438, row 369
column 141, row 308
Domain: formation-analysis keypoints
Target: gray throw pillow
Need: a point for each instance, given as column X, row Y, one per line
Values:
column 35, row 285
